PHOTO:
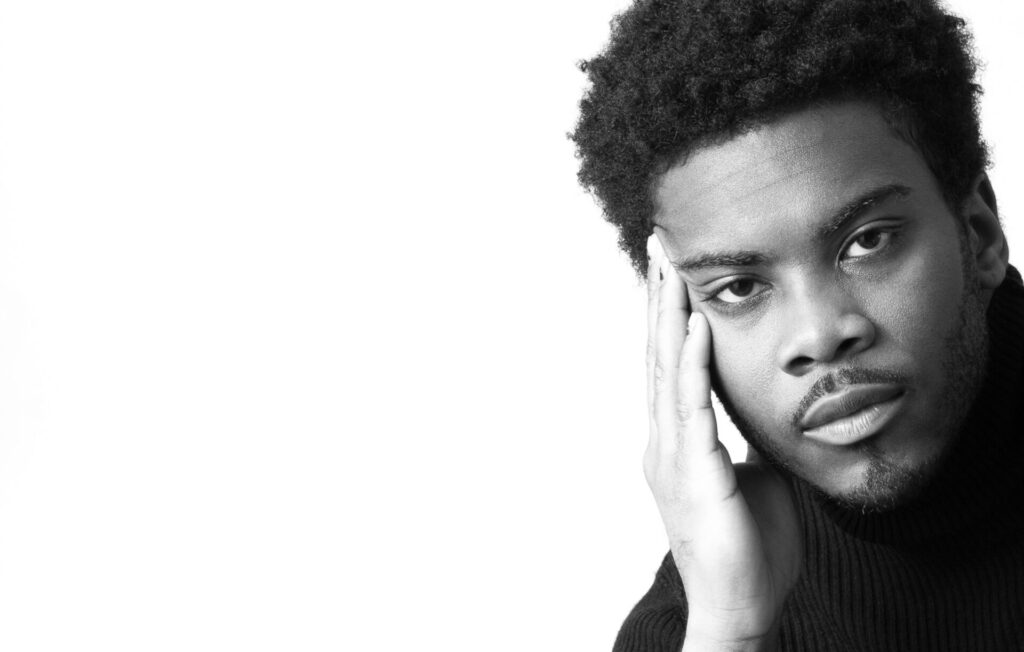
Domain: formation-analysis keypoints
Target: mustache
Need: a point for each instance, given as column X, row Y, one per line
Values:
column 831, row 381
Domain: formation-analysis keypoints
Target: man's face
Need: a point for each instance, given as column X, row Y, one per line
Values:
column 848, row 328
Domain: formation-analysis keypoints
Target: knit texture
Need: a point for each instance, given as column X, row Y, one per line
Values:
column 945, row 573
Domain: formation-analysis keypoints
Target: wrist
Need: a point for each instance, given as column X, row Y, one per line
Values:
column 715, row 638
column 697, row 643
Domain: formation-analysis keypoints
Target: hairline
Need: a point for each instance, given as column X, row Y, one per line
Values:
column 898, row 117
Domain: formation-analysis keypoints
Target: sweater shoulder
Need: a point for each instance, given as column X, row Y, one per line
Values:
column 658, row 621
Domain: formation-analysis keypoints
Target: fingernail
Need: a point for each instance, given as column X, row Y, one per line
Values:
column 691, row 323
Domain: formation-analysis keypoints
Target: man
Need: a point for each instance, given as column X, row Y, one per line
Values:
column 803, row 184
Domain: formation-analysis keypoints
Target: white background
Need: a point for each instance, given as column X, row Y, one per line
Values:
column 308, row 338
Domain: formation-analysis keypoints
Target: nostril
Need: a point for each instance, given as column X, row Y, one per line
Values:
column 800, row 363
column 846, row 346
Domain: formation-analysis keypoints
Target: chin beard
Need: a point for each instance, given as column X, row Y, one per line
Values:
column 886, row 484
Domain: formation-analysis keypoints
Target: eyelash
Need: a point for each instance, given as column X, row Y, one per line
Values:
column 727, row 307
column 887, row 233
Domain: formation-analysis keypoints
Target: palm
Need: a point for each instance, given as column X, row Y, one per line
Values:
column 738, row 552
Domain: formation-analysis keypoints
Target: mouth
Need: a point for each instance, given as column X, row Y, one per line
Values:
column 852, row 414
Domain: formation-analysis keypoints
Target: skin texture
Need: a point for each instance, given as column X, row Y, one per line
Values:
column 896, row 294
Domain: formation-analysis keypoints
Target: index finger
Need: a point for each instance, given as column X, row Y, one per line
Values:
column 657, row 265
column 653, row 282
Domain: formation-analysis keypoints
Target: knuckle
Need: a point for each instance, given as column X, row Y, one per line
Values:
column 662, row 308
column 660, row 375
column 683, row 411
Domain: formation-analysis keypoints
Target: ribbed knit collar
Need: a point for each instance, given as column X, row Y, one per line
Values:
column 984, row 473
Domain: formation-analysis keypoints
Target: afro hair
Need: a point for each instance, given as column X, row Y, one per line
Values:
column 680, row 74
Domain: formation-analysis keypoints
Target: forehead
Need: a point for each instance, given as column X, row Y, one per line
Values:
column 790, row 174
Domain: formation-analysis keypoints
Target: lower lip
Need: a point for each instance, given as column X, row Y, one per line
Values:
column 858, row 426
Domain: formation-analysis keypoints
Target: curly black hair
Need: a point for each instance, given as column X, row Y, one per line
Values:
column 680, row 74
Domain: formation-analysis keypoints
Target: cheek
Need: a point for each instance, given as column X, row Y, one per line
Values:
column 916, row 307
column 743, row 367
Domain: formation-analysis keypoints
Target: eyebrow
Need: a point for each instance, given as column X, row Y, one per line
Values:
column 859, row 206
column 850, row 211
column 730, row 259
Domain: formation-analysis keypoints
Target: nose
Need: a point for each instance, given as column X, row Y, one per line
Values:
column 823, row 324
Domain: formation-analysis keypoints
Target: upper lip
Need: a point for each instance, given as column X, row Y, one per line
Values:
column 846, row 401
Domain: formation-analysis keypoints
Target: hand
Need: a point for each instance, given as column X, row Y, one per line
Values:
column 733, row 531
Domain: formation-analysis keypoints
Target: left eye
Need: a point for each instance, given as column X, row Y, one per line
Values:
column 739, row 290
column 867, row 243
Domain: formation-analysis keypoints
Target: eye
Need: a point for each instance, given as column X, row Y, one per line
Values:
column 867, row 243
column 739, row 290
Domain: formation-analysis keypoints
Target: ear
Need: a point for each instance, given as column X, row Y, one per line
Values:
column 985, row 235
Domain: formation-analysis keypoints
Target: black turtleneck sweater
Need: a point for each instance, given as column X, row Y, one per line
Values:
column 945, row 573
